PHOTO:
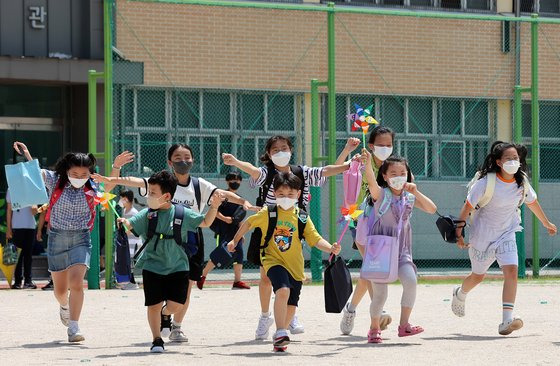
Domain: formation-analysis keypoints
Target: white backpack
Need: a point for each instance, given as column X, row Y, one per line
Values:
column 491, row 184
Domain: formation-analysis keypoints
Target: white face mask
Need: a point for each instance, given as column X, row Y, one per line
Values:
column 153, row 202
column 77, row 183
column 511, row 167
column 397, row 182
column 286, row 203
column 382, row 152
column 121, row 204
column 281, row 158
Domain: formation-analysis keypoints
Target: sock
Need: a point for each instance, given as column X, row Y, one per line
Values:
column 266, row 315
column 281, row 333
column 351, row 307
column 507, row 314
column 73, row 326
column 461, row 295
column 176, row 325
column 65, row 307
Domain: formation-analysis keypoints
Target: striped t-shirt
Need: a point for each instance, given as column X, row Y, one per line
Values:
column 312, row 177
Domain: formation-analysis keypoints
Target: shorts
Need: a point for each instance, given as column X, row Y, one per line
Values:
column 67, row 248
column 159, row 288
column 280, row 277
column 503, row 250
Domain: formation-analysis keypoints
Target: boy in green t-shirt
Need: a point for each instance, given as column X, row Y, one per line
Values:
column 164, row 264
column 283, row 256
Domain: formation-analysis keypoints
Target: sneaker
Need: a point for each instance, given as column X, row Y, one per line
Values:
column 457, row 306
column 508, row 327
column 374, row 336
column 240, row 285
column 75, row 336
column 200, row 283
column 177, row 335
column 384, row 320
column 29, row 286
column 65, row 315
column 165, row 327
column 16, row 286
column 48, row 287
column 265, row 322
column 281, row 339
column 129, row 286
column 347, row 322
column 157, row 346
column 296, row 327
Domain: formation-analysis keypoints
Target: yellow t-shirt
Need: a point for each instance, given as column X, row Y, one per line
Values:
column 284, row 248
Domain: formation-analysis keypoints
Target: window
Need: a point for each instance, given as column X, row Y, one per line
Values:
column 420, row 119
column 280, row 110
column 478, row 4
column 187, row 109
column 216, row 111
column 452, row 159
column 476, row 118
column 392, row 113
column 250, row 112
column 420, row 2
column 549, row 6
column 450, row 117
column 451, row 4
column 150, row 108
column 416, row 152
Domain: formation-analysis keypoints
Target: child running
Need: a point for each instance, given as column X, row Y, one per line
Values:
column 502, row 187
column 164, row 263
column 380, row 142
column 394, row 198
column 282, row 256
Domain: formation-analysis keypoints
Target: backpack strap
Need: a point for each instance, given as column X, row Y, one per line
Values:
column 386, row 204
column 297, row 170
column 526, row 185
column 90, row 199
column 489, row 191
column 196, row 186
column 57, row 192
column 272, row 220
column 263, row 190
column 302, row 221
column 178, row 223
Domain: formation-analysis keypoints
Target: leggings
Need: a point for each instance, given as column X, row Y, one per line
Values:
column 407, row 276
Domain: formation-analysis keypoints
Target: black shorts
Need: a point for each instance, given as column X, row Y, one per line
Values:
column 172, row 287
column 280, row 277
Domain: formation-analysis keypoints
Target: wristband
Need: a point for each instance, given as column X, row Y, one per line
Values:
column 114, row 167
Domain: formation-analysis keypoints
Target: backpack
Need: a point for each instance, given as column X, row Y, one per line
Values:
column 297, row 170
column 194, row 243
column 90, row 198
column 256, row 249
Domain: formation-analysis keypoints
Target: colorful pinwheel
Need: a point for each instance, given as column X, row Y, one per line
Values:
column 349, row 216
column 362, row 118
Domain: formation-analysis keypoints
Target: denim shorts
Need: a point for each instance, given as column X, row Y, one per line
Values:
column 67, row 248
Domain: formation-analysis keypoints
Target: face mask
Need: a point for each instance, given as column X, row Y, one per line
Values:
column 182, row 167
column 382, row 152
column 153, row 202
column 511, row 167
column 397, row 183
column 121, row 204
column 234, row 186
column 281, row 158
column 78, row 183
column 286, row 202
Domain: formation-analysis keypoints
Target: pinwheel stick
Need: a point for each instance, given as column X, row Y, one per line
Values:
column 341, row 236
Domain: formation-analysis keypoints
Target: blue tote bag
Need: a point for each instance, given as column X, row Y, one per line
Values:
column 26, row 184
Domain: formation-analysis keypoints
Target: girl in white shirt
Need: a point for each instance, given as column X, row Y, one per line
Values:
column 493, row 227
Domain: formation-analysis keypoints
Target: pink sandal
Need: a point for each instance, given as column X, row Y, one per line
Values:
column 374, row 336
column 409, row 330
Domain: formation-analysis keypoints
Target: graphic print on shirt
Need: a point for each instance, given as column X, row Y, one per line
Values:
column 283, row 234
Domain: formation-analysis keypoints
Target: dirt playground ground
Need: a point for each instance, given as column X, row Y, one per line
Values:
column 221, row 324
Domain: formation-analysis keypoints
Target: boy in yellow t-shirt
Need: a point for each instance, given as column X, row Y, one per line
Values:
column 283, row 256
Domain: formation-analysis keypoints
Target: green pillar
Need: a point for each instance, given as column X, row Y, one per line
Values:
column 315, row 205
column 535, row 151
column 332, row 119
column 518, row 138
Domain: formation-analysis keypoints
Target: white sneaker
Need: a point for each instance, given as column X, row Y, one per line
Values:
column 384, row 320
column 75, row 336
column 508, row 327
column 457, row 305
column 177, row 335
column 129, row 286
column 347, row 322
column 295, row 326
column 65, row 315
column 265, row 322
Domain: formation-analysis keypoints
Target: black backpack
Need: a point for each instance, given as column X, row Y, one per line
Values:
column 195, row 242
column 271, row 173
column 255, row 248
column 448, row 225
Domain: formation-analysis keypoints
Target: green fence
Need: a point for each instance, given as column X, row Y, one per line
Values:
column 226, row 76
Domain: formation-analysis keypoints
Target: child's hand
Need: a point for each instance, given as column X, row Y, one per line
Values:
column 122, row 159
column 352, row 144
column 121, row 221
column 366, row 157
column 229, row 159
column 410, row 187
column 39, row 236
column 461, row 241
column 21, row 149
column 231, row 246
column 335, row 248
column 227, row 220
column 98, row 178
column 217, row 199
column 551, row 228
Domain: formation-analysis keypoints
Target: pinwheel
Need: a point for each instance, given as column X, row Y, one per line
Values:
column 349, row 216
column 362, row 118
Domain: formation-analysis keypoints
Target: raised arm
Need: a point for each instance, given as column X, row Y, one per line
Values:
column 350, row 146
column 422, row 201
column 247, row 167
column 374, row 189
column 121, row 160
column 331, row 170
column 124, row 181
column 232, row 197
column 324, row 246
column 21, row 149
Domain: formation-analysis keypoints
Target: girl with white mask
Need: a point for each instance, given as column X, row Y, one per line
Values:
column 276, row 158
column 494, row 224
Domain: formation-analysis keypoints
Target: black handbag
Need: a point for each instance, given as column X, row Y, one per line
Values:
column 448, row 225
column 337, row 285
column 122, row 263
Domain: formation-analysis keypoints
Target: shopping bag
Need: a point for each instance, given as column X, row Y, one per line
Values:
column 337, row 285
column 26, row 184
column 381, row 259
column 122, row 263
column 352, row 181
